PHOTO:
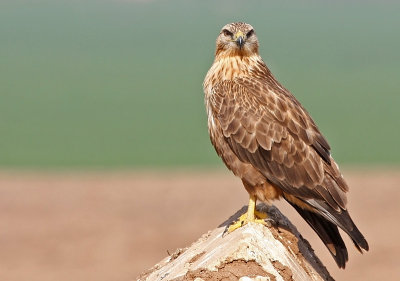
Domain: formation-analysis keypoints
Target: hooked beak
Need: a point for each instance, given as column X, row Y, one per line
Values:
column 240, row 41
column 239, row 38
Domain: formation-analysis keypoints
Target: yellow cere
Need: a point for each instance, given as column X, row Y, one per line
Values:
column 238, row 34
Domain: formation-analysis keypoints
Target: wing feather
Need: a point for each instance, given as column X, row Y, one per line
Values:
column 276, row 135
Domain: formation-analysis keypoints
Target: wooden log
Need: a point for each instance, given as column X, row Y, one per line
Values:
column 253, row 252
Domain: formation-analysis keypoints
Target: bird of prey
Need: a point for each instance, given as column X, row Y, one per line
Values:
column 266, row 137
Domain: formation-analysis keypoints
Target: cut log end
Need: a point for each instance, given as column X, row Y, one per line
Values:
column 252, row 252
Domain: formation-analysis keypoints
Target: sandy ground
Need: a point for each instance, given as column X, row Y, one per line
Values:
column 112, row 226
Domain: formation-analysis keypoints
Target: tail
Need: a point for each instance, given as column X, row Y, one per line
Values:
column 326, row 225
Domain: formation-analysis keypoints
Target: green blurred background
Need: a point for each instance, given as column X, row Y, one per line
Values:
column 118, row 84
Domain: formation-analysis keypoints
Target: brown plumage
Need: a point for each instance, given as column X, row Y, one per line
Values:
column 265, row 137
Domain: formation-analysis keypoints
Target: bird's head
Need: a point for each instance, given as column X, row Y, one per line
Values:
column 237, row 39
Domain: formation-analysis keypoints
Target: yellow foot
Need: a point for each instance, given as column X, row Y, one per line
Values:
column 258, row 218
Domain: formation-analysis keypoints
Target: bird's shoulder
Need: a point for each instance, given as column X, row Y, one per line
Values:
column 258, row 101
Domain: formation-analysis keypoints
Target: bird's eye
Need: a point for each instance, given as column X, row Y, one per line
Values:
column 250, row 33
column 227, row 32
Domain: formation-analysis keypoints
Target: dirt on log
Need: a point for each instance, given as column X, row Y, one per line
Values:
column 253, row 252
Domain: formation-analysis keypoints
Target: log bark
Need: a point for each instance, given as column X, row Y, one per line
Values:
column 253, row 252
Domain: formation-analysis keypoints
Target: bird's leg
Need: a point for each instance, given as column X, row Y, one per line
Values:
column 252, row 215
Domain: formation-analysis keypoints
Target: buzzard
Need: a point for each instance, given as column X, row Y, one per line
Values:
column 265, row 137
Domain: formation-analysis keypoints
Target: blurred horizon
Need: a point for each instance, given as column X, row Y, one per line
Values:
column 118, row 84
column 102, row 107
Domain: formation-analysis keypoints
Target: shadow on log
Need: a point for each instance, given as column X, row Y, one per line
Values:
column 252, row 252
